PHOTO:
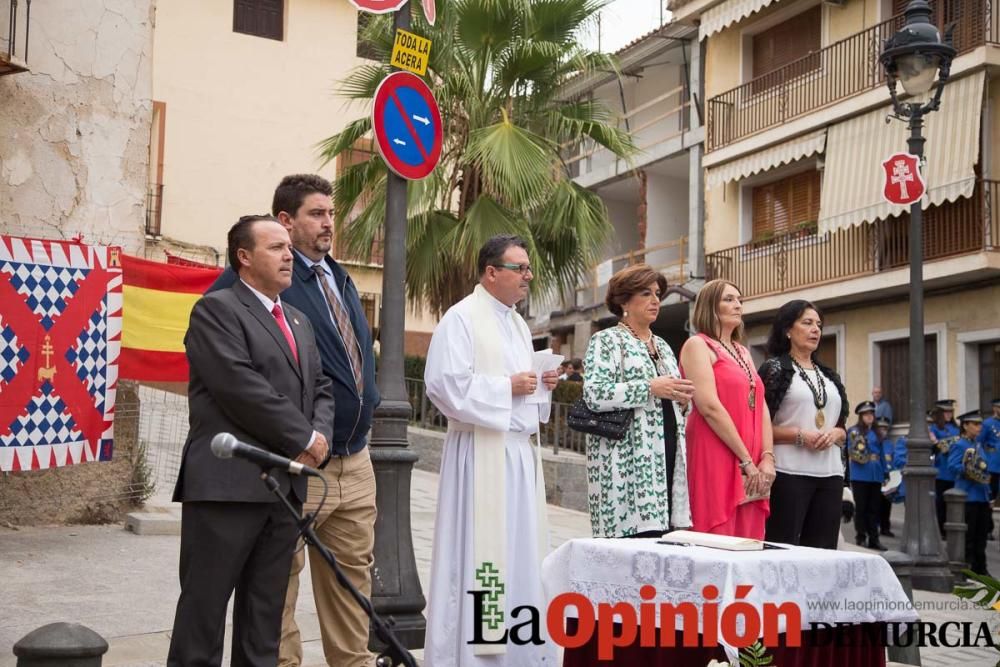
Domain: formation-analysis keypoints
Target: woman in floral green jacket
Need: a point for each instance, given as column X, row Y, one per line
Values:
column 629, row 367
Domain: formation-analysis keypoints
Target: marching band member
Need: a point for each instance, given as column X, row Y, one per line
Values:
column 888, row 448
column 867, row 470
column 968, row 465
column 901, row 455
column 989, row 438
column 944, row 433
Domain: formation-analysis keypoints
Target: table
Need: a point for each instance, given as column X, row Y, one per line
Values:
column 828, row 587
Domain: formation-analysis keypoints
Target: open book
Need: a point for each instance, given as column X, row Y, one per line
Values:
column 726, row 542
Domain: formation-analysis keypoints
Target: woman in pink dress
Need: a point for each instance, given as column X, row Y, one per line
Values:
column 730, row 446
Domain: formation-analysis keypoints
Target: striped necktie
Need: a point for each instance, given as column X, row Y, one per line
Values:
column 343, row 320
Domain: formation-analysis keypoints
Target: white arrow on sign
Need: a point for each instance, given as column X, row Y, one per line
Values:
column 399, row 141
column 421, row 119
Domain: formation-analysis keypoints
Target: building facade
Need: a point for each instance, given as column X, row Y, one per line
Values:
column 798, row 122
column 654, row 201
column 75, row 102
column 243, row 93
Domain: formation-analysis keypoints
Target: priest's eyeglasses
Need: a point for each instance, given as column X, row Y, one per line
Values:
column 520, row 268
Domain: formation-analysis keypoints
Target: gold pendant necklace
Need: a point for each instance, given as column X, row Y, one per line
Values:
column 818, row 392
column 741, row 362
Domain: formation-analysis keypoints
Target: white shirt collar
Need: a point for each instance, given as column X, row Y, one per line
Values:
column 264, row 299
column 497, row 304
column 310, row 262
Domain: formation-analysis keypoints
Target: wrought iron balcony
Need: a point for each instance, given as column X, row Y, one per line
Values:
column 802, row 259
column 14, row 47
column 154, row 208
column 842, row 69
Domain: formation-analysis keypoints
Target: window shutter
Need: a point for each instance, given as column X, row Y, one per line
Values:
column 781, row 206
column 788, row 41
column 261, row 18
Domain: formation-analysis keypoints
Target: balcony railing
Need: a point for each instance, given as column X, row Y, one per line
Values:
column 652, row 122
column 840, row 70
column 14, row 46
column 804, row 259
column 154, row 208
column 668, row 258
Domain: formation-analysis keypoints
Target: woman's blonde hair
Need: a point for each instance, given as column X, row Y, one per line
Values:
column 706, row 310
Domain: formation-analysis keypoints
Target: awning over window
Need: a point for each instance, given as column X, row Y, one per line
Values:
column 853, row 177
column 729, row 12
column 769, row 158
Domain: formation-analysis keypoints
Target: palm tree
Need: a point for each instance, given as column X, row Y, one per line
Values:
column 496, row 67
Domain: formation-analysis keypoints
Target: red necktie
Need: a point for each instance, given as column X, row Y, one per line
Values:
column 283, row 325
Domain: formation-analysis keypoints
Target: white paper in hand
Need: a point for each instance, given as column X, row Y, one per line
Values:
column 543, row 361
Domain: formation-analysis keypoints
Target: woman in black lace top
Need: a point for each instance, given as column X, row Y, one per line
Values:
column 809, row 408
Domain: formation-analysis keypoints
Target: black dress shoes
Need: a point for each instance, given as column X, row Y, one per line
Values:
column 876, row 545
column 887, row 532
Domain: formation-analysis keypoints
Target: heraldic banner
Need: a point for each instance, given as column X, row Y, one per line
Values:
column 60, row 338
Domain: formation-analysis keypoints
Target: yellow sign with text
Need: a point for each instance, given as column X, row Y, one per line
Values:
column 411, row 52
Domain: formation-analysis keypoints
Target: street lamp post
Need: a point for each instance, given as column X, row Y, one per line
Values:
column 914, row 57
column 396, row 592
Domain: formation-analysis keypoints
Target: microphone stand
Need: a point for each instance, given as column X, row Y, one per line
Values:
column 394, row 653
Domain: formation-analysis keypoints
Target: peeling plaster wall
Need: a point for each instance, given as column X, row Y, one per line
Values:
column 74, row 130
column 74, row 146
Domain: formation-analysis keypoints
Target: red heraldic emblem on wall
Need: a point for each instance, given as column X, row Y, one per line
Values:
column 60, row 338
column 903, row 182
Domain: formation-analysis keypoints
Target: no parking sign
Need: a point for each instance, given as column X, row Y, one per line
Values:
column 407, row 125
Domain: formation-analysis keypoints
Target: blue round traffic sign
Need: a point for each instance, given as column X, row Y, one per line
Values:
column 407, row 125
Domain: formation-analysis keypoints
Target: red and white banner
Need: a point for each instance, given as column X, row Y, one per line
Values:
column 60, row 338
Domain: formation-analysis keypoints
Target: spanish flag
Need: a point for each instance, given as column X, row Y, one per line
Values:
column 157, row 300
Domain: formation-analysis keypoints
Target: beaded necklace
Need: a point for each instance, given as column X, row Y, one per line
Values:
column 819, row 395
column 752, row 397
column 650, row 346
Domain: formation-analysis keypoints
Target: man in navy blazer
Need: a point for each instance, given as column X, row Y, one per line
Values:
column 346, row 524
column 255, row 373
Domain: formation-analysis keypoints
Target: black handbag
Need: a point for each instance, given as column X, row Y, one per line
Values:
column 613, row 424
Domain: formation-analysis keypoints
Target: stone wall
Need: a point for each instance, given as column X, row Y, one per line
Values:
column 74, row 146
column 565, row 473
column 74, row 129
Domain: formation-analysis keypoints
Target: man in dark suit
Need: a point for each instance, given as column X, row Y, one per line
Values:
column 323, row 290
column 255, row 373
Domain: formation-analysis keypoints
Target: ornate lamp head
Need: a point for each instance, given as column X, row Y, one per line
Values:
column 916, row 55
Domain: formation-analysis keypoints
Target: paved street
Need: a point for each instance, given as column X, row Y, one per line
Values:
column 124, row 586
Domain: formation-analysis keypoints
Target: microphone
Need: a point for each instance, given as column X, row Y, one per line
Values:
column 226, row 446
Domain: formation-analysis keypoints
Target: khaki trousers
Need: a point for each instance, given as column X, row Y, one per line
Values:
column 346, row 526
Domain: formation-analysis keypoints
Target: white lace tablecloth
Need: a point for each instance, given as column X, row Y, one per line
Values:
column 828, row 586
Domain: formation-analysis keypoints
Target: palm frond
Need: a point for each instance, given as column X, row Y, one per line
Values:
column 362, row 81
column 344, row 140
column 569, row 232
column 516, row 164
column 560, row 20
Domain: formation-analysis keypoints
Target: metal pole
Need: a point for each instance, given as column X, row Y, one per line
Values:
column 921, row 539
column 396, row 588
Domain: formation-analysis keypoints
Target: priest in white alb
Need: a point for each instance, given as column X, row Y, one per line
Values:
column 490, row 533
